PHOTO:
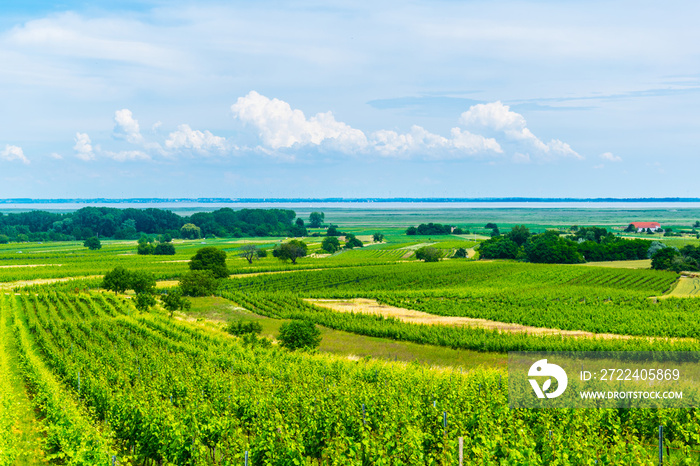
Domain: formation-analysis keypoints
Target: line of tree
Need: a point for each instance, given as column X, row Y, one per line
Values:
column 670, row 258
column 434, row 229
column 108, row 222
column 588, row 244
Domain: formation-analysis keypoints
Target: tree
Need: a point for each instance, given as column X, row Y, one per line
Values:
column 630, row 228
column 164, row 249
column 428, row 254
column 198, row 283
column 142, row 282
column 173, row 300
column 291, row 250
column 499, row 247
column 550, row 248
column 668, row 258
column 249, row 252
column 696, row 224
column 144, row 301
column 93, row 243
column 519, row 234
column 330, row 244
column 212, row 259
column 261, row 253
column 333, row 230
column 299, row 334
column 144, row 248
column 377, row 237
column 299, row 230
column 490, row 226
column 190, row 231
column 495, row 232
column 118, row 280
column 351, row 242
column 460, row 253
column 316, row 219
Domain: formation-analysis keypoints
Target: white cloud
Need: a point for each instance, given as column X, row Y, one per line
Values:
column 498, row 117
column 187, row 138
column 83, row 147
column 280, row 126
column 432, row 146
column 13, row 153
column 125, row 155
column 56, row 156
column 126, row 127
column 474, row 143
column 610, row 157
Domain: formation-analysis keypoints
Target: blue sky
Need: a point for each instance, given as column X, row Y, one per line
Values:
column 354, row 99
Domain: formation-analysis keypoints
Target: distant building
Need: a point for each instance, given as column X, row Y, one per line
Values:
column 644, row 226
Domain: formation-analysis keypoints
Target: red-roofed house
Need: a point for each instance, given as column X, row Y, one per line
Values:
column 644, row 226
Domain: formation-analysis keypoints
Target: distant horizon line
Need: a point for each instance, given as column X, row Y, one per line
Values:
column 217, row 200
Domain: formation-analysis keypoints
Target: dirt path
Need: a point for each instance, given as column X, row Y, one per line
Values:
column 371, row 306
column 28, row 265
column 44, row 281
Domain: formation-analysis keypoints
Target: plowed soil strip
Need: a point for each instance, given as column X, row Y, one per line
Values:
column 372, row 307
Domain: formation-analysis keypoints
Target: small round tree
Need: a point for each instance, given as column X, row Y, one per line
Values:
column 212, row 259
column 330, row 244
column 93, row 243
column 198, row 283
column 291, row 250
column 428, row 254
column 299, row 334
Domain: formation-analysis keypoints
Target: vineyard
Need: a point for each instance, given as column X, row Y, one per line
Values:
column 143, row 388
column 112, row 385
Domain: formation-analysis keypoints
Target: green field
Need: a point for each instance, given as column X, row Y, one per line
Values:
column 85, row 377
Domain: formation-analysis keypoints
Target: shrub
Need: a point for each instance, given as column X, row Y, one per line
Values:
column 299, row 334
column 241, row 328
column 164, row 249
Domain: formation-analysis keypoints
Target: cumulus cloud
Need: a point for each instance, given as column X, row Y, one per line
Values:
column 497, row 117
column 126, row 127
column 13, row 153
column 610, row 157
column 56, row 156
column 199, row 141
column 280, row 126
column 419, row 140
column 83, row 147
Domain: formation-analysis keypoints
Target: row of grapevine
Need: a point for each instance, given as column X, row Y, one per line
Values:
column 290, row 306
column 71, row 436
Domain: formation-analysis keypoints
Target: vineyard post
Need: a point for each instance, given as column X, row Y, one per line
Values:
column 114, row 460
column 246, row 458
column 461, row 450
column 661, row 445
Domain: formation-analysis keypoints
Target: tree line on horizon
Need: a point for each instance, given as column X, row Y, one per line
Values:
column 108, row 222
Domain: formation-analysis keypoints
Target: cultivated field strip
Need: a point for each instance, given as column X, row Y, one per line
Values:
column 153, row 391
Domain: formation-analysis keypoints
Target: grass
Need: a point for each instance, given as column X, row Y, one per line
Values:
column 687, row 287
column 638, row 264
column 218, row 310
